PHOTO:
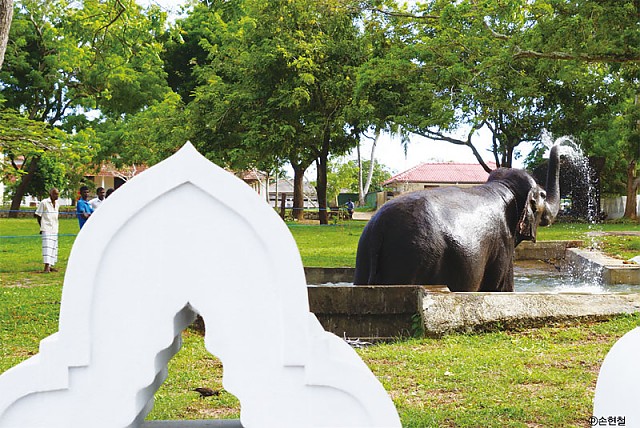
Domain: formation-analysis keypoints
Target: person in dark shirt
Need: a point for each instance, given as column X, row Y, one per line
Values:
column 83, row 208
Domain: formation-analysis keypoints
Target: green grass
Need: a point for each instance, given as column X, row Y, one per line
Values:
column 622, row 247
column 328, row 246
column 539, row 377
column 536, row 377
column 21, row 245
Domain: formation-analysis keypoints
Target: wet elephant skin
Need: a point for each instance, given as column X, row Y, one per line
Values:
column 463, row 238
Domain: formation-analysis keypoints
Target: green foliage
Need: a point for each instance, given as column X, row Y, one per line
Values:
column 64, row 60
column 51, row 173
column 147, row 137
column 99, row 55
column 61, row 159
column 276, row 84
column 344, row 177
column 257, row 83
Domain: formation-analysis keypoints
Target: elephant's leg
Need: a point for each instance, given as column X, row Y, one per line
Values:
column 499, row 276
column 508, row 280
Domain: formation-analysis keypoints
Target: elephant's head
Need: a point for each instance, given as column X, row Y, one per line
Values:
column 535, row 205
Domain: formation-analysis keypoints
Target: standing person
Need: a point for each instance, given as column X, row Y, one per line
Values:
column 83, row 208
column 95, row 202
column 47, row 216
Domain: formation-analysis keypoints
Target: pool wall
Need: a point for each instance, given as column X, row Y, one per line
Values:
column 387, row 312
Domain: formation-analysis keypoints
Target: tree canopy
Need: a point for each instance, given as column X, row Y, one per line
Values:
column 63, row 60
column 258, row 83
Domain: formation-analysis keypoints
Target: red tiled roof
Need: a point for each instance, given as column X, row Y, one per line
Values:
column 250, row 175
column 108, row 170
column 443, row 173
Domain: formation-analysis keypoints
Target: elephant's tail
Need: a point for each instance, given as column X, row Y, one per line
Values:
column 367, row 258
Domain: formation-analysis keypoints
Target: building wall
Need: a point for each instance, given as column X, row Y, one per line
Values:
column 404, row 187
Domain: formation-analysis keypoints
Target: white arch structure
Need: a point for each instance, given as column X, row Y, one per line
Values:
column 186, row 237
column 618, row 388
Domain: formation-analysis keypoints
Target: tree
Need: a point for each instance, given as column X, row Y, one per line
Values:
column 147, row 137
column 276, row 84
column 515, row 67
column 6, row 14
column 242, row 107
column 345, row 177
column 615, row 138
column 61, row 158
column 467, row 79
column 382, row 83
column 64, row 60
column 23, row 141
column 601, row 37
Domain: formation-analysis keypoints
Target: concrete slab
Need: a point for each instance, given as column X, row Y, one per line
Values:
column 610, row 270
column 321, row 275
column 363, row 215
column 544, row 250
column 369, row 312
column 466, row 312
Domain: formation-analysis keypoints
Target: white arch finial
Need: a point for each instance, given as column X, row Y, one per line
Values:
column 186, row 237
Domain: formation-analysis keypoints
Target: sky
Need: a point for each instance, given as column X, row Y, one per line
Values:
column 390, row 152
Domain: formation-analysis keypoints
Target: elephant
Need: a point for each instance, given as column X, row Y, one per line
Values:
column 463, row 238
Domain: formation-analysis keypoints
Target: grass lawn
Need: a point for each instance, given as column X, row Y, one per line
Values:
column 541, row 377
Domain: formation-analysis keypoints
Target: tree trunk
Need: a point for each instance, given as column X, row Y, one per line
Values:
column 298, row 192
column 283, row 206
column 321, row 187
column 6, row 15
column 632, row 188
column 22, row 187
column 363, row 186
column 275, row 201
column 372, row 164
column 360, row 181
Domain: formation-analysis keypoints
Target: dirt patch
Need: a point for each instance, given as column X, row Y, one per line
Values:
column 218, row 413
column 620, row 233
column 24, row 283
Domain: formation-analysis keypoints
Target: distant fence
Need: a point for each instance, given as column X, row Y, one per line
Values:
column 372, row 199
column 614, row 207
column 4, row 213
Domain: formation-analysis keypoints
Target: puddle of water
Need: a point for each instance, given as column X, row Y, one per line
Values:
column 542, row 277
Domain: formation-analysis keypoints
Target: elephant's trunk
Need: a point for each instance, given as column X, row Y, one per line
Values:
column 553, row 187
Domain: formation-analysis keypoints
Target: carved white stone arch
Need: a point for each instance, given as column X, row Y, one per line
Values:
column 618, row 387
column 182, row 238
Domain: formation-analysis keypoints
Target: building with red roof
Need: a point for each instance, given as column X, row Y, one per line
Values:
column 429, row 175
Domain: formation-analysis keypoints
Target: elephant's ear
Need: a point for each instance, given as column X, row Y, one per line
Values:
column 526, row 228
